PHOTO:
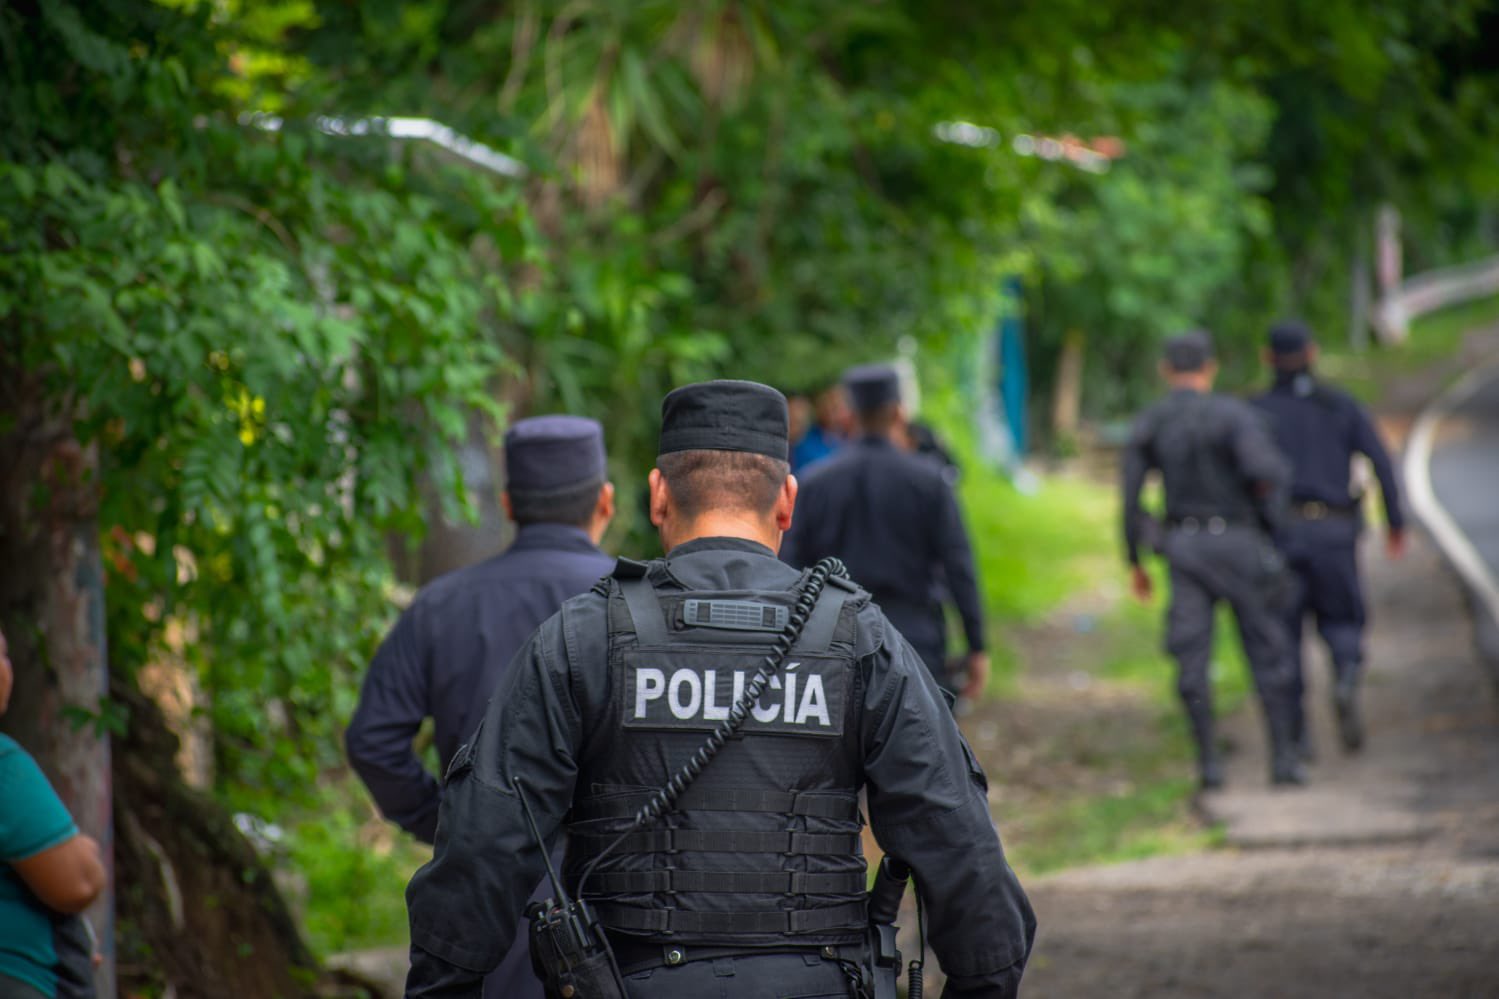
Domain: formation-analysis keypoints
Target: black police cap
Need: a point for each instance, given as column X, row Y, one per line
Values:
column 553, row 453
column 725, row 415
column 1289, row 338
column 871, row 386
column 1188, row 351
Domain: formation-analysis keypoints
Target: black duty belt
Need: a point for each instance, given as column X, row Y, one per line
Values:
column 1317, row 510
column 818, row 804
column 848, row 916
column 716, row 841
column 635, row 955
column 764, row 882
column 1213, row 524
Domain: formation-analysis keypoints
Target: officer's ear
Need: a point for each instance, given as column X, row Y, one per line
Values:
column 1268, row 356
column 505, row 504
column 786, row 503
column 603, row 512
column 660, row 505
column 1312, row 350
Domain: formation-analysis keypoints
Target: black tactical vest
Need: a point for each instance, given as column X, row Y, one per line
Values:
column 763, row 849
column 1192, row 442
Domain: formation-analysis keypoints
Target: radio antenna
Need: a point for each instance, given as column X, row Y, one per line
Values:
column 546, row 855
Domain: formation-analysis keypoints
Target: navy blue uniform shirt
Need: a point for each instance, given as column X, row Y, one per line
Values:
column 445, row 656
column 892, row 518
column 1320, row 429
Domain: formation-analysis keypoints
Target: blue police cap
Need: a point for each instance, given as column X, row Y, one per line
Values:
column 1289, row 338
column 871, row 386
column 553, row 453
column 1188, row 351
column 725, row 415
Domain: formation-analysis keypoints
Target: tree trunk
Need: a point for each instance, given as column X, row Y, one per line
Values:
column 52, row 612
column 1066, row 406
column 200, row 912
column 1359, row 291
column 199, row 915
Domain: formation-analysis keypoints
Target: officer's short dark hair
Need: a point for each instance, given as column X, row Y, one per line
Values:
column 700, row 481
column 1188, row 352
column 879, row 420
column 573, row 505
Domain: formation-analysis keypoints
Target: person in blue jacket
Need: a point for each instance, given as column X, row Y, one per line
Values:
column 447, row 652
column 1320, row 429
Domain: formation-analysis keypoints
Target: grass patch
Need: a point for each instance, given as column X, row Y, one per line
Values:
column 1036, row 550
column 1033, row 552
column 1146, row 822
column 1136, row 800
column 350, row 874
column 1432, row 339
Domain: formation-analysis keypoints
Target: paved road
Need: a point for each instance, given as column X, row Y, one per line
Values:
column 1465, row 469
column 1453, row 463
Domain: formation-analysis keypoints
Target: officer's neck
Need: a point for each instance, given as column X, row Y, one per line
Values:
column 1190, row 381
column 723, row 524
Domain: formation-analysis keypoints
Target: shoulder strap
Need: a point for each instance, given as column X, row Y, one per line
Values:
column 817, row 635
column 645, row 609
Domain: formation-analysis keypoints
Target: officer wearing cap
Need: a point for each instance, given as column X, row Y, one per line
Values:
column 891, row 516
column 448, row 651
column 752, row 883
column 1225, row 487
column 1320, row 429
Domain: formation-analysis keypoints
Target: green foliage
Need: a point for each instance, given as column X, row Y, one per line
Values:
column 1156, row 245
column 354, row 876
column 269, row 349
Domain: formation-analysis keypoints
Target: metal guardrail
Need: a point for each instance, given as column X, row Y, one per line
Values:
column 435, row 132
column 1431, row 291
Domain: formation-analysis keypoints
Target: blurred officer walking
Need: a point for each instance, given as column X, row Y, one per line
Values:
column 1225, row 492
column 749, row 880
column 1320, row 429
column 891, row 516
column 447, row 653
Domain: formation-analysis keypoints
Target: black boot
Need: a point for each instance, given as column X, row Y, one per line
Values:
column 1285, row 756
column 1209, row 766
column 1345, row 703
column 1301, row 735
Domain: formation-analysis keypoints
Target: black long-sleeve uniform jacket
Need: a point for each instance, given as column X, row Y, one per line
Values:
column 927, row 795
column 892, row 518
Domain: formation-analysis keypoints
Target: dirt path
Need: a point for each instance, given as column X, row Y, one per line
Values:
column 1381, row 879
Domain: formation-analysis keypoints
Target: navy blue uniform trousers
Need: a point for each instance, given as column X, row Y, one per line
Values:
column 1323, row 557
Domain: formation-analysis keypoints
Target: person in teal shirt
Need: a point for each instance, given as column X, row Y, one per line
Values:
column 48, row 870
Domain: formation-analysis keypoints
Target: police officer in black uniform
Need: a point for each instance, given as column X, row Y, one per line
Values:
column 891, row 516
column 753, row 883
column 1320, row 429
column 448, row 651
column 1225, row 494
